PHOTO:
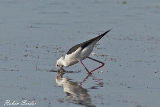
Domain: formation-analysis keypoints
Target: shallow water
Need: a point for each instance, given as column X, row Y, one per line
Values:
column 35, row 34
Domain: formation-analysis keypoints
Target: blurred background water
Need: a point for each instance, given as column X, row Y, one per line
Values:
column 34, row 34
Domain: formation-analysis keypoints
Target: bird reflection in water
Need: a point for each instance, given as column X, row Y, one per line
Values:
column 74, row 91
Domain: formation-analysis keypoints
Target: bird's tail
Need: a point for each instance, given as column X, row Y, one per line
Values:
column 101, row 35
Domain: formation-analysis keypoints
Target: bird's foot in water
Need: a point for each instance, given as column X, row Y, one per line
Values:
column 89, row 73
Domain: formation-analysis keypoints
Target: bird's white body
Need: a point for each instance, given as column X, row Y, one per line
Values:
column 78, row 55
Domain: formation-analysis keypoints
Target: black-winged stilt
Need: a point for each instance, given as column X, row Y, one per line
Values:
column 79, row 52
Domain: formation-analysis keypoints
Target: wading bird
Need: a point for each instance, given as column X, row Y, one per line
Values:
column 80, row 52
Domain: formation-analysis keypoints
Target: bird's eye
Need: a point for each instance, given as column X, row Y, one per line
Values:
column 57, row 65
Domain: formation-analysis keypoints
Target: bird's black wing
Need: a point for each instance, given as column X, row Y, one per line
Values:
column 73, row 49
column 85, row 44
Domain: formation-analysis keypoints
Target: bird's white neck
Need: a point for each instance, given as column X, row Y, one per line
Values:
column 63, row 62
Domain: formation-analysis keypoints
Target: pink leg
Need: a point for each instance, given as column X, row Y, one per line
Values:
column 84, row 66
column 96, row 61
